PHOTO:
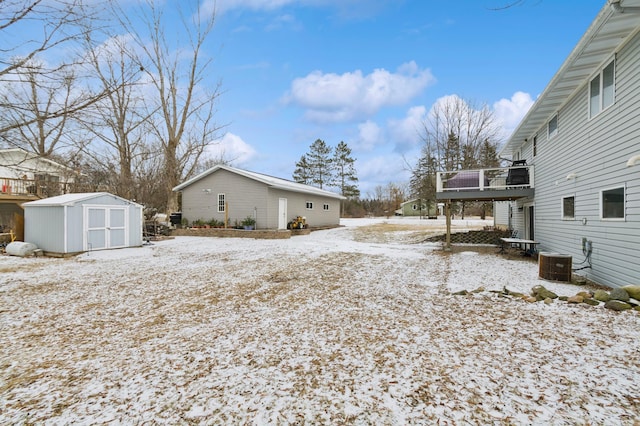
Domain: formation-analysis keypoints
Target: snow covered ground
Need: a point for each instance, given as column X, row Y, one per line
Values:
column 354, row 325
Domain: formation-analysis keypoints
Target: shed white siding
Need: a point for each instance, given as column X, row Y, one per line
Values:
column 63, row 224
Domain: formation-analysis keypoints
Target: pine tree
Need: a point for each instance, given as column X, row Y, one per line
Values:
column 320, row 163
column 302, row 173
column 344, row 166
column 423, row 181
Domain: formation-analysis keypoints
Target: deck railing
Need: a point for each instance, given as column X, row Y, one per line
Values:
column 493, row 179
column 35, row 188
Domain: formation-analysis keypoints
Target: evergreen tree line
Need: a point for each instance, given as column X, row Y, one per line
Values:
column 325, row 167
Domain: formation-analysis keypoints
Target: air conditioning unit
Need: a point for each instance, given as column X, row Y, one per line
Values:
column 554, row 266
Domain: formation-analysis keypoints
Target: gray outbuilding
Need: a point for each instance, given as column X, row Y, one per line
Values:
column 74, row 223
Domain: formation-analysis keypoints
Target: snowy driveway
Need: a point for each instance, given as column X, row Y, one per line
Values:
column 354, row 325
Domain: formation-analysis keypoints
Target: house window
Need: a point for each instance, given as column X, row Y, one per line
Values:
column 535, row 145
column 325, row 207
column 612, row 203
column 569, row 208
column 553, row 126
column 414, row 207
column 601, row 90
column 221, row 203
column 309, row 205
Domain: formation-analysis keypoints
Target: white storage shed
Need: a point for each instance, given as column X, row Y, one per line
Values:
column 74, row 223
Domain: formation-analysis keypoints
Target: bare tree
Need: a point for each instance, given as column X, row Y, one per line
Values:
column 456, row 131
column 119, row 123
column 31, row 106
column 184, row 123
column 45, row 23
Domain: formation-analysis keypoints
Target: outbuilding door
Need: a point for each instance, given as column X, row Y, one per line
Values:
column 282, row 213
column 105, row 227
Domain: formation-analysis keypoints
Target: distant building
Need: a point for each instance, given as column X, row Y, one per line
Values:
column 229, row 194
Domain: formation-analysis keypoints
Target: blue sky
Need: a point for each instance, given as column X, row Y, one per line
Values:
column 367, row 72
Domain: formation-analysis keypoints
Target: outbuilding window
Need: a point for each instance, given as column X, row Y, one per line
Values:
column 325, row 207
column 612, row 203
column 309, row 205
column 221, row 203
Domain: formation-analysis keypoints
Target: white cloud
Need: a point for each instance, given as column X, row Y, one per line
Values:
column 406, row 133
column 352, row 95
column 511, row 111
column 369, row 136
column 231, row 148
column 381, row 170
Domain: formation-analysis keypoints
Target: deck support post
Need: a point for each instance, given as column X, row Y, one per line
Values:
column 447, row 212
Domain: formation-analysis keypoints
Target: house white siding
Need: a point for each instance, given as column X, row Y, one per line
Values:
column 596, row 151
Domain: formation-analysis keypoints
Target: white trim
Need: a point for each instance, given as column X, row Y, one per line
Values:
column 550, row 134
column 562, row 216
column 624, row 204
column 107, row 225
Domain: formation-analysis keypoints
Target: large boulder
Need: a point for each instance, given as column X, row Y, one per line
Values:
column 602, row 295
column 633, row 291
column 619, row 294
column 541, row 293
column 617, row 305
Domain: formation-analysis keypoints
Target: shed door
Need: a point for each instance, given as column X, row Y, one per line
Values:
column 105, row 227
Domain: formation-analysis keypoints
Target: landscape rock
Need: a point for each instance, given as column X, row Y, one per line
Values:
column 575, row 299
column 633, row 291
column 585, row 295
column 460, row 293
column 590, row 301
column 602, row 295
column 542, row 293
column 619, row 294
column 530, row 299
column 617, row 305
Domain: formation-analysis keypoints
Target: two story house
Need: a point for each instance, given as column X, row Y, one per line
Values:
column 580, row 144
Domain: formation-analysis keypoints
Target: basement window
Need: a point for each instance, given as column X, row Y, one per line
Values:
column 612, row 203
column 569, row 208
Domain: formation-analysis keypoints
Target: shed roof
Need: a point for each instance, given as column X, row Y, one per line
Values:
column 271, row 181
column 72, row 199
column 611, row 29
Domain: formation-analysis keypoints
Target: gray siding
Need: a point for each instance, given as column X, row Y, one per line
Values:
column 44, row 227
column 597, row 150
column 243, row 195
column 297, row 206
column 248, row 197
